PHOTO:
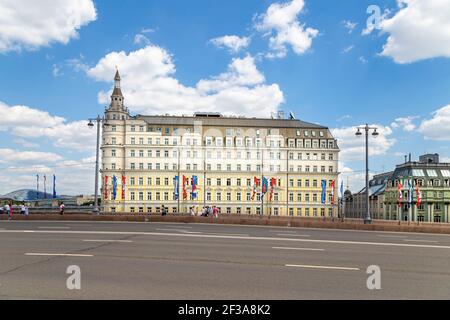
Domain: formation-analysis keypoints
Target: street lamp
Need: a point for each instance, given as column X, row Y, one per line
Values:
column 366, row 128
column 99, row 120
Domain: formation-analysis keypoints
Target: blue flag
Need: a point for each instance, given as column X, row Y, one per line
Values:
column 194, row 187
column 323, row 197
column 114, row 193
column 54, row 187
column 176, row 186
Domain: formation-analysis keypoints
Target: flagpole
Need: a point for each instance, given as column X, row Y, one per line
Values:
column 179, row 178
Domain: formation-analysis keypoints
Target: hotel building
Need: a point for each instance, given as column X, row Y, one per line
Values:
column 225, row 162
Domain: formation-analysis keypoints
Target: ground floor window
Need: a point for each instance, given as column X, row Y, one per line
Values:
column 275, row 211
column 421, row 218
column 149, row 209
column 141, row 209
column 158, row 209
column 228, row 210
column 132, row 209
column 174, row 209
column 291, row 212
column 258, row 210
column 113, row 209
column 322, row 212
column 248, row 210
column 437, row 218
column 238, row 210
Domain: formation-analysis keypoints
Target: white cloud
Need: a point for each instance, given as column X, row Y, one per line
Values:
column 362, row 60
column 405, row 123
column 14, row 156
column 33, row 24
column 280, row 23
column 233, row 43
column 349, row 25
column 438, row 127
column 419, row 30
column 150, row 87
column 141, row 39
column 26, row 122
column 353, row 147
column 25, row 143
column 348, row 49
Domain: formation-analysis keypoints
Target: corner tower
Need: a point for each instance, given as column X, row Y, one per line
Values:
column 117, row 109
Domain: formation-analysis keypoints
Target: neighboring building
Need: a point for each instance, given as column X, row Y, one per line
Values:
column 433, row 180
column 355, row 204
column 225, row 154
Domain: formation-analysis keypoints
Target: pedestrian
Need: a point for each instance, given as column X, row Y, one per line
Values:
column 26, row 211
column 7, row 209
column 22, row 209
column 163, row 210
column 61, row 208
column 192, row 211
column 215, row 212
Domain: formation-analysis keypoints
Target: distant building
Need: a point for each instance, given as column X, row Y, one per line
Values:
column 432, row 178
column 394, row 195
column 355, row 204
column 209, row 159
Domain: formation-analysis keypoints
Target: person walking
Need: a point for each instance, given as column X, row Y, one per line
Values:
column 22, row 209
column 61, row 208
column 7, row 210
column 192, row 211
column 26, row 211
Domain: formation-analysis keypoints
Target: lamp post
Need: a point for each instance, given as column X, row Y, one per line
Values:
column 99, row 120
column 366, row 128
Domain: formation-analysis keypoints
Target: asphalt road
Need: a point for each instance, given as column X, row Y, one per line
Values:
column 204, row 261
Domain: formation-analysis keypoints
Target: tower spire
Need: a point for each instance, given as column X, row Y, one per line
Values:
column 117, row 96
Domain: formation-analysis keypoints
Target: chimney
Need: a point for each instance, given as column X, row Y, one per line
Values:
column 410, row 157
column 406, row 158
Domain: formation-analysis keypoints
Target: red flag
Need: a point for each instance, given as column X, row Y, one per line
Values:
column 419, row 195
column 273, row 183
column 123, row 187
column 333, row 187
column 106, row 187
column 255, row 186
column 184, row 188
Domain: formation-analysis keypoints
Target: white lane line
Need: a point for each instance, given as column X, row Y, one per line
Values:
column 290, row 232
column 228, row 234
column 179, row 230
column 301, row 249
column 345, row 242
column 384, row 236
column 321, row 267
column 417, row 240
column 177, row 227
column 293, row 235
column 58, row 254
column 53, row 227
column 102, row 240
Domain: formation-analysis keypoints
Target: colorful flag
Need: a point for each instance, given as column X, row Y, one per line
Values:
column 400, row 193
column 54, row 187
column 114, row 193
column 184, row 188
column 255, row 187
column 265, row 186
column 106, row 188
column 124, row 181
column 332, row 191
column 194, row 187
column 45, row 186
column 418, row 195
column 410, row 193
column 324, row 191
column 273, row 183
column 176, row 187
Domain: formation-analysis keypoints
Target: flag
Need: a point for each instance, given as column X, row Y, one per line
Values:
column 400, row 193
column 106, row 188
column 418, row 195
column 332, row 191
column 45, row 186
column 184, row 188
column 114, row 193
column 37, row 186
column 265, row 186
column 255, row 187
column 273, row 183
column 342, row 191
column 54, row 187
column 194, row 187
column 176, row 187
column 410, row 194
column 123, row 187
column 324, row 191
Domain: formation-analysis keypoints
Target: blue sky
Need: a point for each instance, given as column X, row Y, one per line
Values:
column 341, row 79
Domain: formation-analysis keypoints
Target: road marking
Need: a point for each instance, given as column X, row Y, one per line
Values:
column 228, row 234
column 178, row 227
column 384, row 236
column 53, row 227
column 417, row 240
column 345, row 242
column 59, row 254
column 320, row 267
column 101, row 240
column 302, row 249
column 293, row 235
column 179, row 230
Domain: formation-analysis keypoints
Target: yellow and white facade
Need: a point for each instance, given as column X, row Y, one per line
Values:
column 226, row 154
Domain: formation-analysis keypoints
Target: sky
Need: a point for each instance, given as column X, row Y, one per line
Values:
column 340, row 64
